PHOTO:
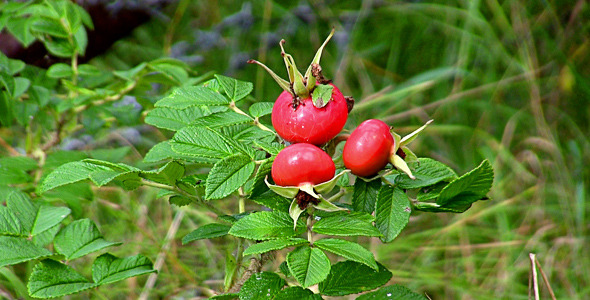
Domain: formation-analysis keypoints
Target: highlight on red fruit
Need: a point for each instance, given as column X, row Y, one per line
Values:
column 301, row 164
column 368, row 149
column 307, row 123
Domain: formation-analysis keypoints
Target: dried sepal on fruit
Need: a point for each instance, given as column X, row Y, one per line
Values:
column 401, row 143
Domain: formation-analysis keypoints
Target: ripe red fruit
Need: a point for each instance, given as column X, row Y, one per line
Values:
column 368, row 148
column 302, row 163
column 307, row 123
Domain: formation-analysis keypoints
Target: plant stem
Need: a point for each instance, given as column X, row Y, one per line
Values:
column 75, row 68
column 340, row 193
column 130, row 86
column 233, row 106
column 8, row 148
column 309, row 233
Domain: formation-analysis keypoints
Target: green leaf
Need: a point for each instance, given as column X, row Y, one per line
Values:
column 284, row 268
column 127, row 175
column 11, row 66
column 168, row 174
column 184, row 97
column 163, row 151
column 261, row 109
column 322, row 94
column 201, row 142
column 46, row 237
column 272, row 148
column 271, row 245
column 21, row 85
column 88, row 70
column 176, row 74
column 80, row 40
column 349, row 250
column 132, row 73
column 392, row 212
column 51, row 279
column 222, row 119
column 108, row 268
column 17, row 250
column 468, row 188
column 234, row 89
column 259, row 186
column 427, row 172
column 18, row 217
column 394, row 292
column 227, row 175
column 208, row 231
column 179, row 200
column 6, row 104
column 365, row 194
column 59, row 47
column 47, row 217
column 261, row 286
column 20, row 28
column 272, row 200
column 7, row 81
column 79, row 238
column 266, row 225
column 50, row 27
column 231, row 270
column 176, row 119
column 12, row 171
column 349, row 277
column 296, row 292
column 308, row 265
column 69, row 173
column 347, row 224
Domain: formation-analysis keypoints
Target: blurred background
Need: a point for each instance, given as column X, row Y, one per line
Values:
column 507, row 81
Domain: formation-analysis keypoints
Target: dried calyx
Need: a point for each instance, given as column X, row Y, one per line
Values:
column 301, row 86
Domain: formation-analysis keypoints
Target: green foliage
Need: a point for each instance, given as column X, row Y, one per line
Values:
column 80, row 238
column 349, row 277
column 214, row 154
column 208, row 231
column 392, row 212
column 261, row 286
column 272, row 245
column 308, row 265
column 347, row 224
column 266, row 225
column 396, row 292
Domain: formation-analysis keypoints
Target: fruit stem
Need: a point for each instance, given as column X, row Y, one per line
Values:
column 337, row 195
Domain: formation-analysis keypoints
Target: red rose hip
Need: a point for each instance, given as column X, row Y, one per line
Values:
column 302, row 163
column 307, row 123
column 368, row 148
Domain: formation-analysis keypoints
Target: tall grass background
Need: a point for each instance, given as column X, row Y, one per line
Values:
column 507, row 81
